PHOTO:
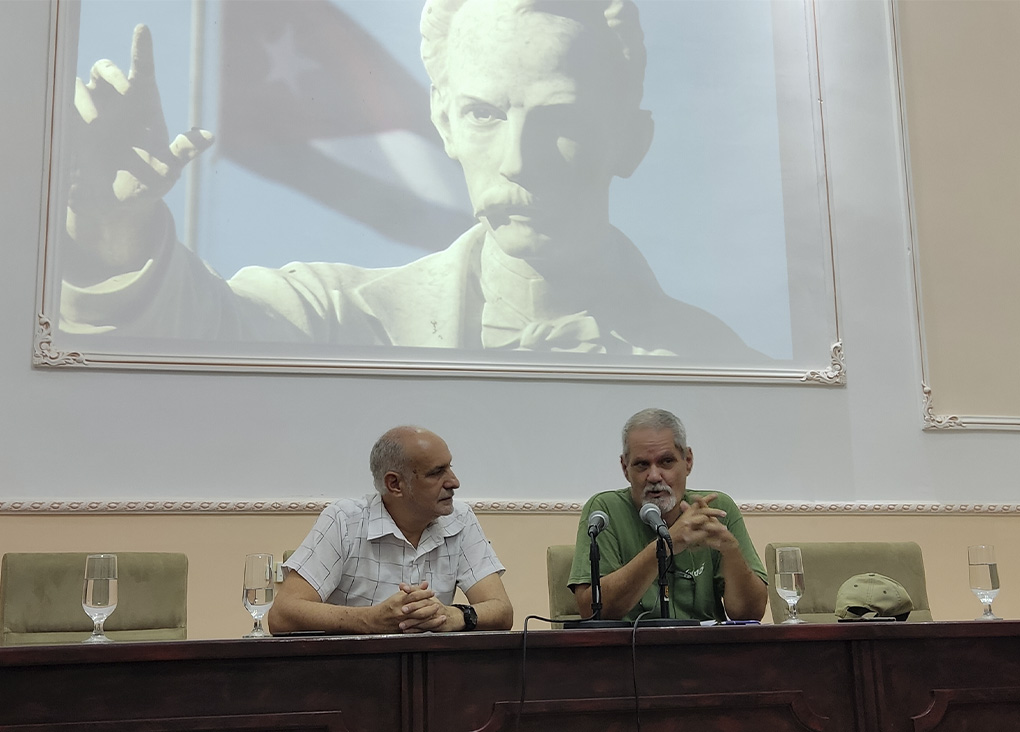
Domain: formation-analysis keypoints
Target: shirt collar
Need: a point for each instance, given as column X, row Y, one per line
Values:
column 381, row 524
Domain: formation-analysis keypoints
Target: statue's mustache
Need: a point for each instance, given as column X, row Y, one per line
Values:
column 501, row 200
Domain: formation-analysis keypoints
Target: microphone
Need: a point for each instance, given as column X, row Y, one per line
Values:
column 652, row 516
column 597, row 523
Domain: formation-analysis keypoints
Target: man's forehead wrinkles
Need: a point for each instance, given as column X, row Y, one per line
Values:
column 653, row 452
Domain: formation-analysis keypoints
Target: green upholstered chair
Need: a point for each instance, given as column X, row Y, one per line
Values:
column 562, row 605
column 40, row 598
column 827, row 565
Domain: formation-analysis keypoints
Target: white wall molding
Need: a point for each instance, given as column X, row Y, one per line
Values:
column 835, row 374
column 517, row 507
column 947, row 422
column 44, row 354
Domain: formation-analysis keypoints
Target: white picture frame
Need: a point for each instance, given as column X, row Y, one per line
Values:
column 739, row 264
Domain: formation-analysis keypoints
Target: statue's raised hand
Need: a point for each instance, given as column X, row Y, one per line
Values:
column 123, row 165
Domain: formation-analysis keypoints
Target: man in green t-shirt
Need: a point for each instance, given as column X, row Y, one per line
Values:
column 715, row 572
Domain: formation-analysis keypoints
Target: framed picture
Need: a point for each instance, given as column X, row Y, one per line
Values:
column 583, row 190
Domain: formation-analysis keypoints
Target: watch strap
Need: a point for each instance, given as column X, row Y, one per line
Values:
column 470, row 616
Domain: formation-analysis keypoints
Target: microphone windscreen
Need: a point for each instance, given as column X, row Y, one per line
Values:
column 598, row 520
column 651, row 515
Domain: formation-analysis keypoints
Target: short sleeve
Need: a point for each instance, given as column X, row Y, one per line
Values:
column 610, row 554
column 320, row 558
column 478, row 558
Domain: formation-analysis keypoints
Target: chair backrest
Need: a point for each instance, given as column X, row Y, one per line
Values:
column 827, row 565
column 562, row 605
column 40, row 598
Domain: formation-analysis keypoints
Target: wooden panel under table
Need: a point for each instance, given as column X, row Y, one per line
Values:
column 860, row 677
column 723, row 678
column 947, row 677
column 321, row 685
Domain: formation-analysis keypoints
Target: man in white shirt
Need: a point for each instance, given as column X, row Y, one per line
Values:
column 390, row 562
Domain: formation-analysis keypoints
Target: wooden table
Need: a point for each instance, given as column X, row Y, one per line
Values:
column 841, row 677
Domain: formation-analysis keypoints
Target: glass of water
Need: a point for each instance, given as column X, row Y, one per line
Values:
column 259, row 586
column 984, row 577
column 99, row 594
column 790, row 579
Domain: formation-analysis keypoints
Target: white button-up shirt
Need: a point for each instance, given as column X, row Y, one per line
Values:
column 355, row 555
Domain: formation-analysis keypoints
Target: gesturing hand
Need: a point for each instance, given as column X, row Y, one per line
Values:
column 123, row 163
column 699, row 525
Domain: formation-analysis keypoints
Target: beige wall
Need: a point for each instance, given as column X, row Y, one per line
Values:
column 961, row 62
column 216, row 546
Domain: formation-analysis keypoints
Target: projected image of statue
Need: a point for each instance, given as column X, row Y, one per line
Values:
column 539, row 103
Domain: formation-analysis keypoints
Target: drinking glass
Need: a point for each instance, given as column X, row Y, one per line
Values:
column 984, row 577
column 259, row 587
column 790, row 579
column 99, row 594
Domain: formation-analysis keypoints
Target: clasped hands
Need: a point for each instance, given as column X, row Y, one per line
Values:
column 699, row 525
column 415, row 609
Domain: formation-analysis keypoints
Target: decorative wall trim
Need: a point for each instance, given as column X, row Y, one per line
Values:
column 518, row 507
column 933, row 422
column 835, row 374
column 527, row 507
column 35, row 507
column 43, row 354
column 816, row 509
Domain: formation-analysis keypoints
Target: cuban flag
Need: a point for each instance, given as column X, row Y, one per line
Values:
column 311, row 100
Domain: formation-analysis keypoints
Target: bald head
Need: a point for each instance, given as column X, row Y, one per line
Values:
column 395, row 452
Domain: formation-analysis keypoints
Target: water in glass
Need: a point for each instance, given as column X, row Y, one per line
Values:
column 789, row 579
column 258, row 600
column 790, row 585
column 259, row 589
column 99, row 593
column 984, row 577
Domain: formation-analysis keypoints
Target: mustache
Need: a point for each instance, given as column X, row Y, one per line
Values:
column 498, row 200
column 658, row 487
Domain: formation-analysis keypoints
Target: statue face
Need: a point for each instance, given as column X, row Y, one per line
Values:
column 526, row 111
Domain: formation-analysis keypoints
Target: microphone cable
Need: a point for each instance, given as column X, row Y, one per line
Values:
column 633, row 664
column 524, row 662
column 633, row 654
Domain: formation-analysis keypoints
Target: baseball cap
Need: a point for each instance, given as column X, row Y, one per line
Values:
column 872, row 595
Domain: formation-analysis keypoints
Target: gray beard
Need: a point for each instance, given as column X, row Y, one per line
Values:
column 665, row 500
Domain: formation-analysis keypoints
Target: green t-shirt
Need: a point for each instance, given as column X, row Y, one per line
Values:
column 695, row 578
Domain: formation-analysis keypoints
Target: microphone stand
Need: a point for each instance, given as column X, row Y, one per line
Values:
column 663, row 552
column 596, row 587
column 662, row 556
column 595, row 621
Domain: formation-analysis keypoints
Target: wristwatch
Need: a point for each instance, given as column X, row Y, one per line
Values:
column 470, row 616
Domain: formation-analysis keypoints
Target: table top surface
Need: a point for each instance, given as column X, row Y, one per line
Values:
column 316, row 645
